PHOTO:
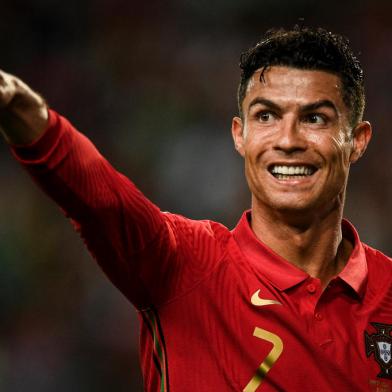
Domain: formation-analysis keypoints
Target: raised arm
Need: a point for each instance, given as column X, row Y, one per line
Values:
column 149, row 255
column 114, row 219
column 23, row 112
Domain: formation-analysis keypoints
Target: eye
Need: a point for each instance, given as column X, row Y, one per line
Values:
column 315, row 118
column 265, row 116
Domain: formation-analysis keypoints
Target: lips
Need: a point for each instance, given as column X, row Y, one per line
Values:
column 286, row 172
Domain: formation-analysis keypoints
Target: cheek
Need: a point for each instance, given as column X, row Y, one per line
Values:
column 335, row 149
column 252, row 143
column 342, row 149
column 258, row 140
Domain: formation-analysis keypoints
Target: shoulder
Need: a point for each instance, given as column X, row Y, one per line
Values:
column 192, row 227
column 377, row 256
column 379, row 264
column 379, row 278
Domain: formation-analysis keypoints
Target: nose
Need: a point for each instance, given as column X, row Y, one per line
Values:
column 289, row 137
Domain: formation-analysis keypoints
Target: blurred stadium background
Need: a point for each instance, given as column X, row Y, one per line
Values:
column 153, row 84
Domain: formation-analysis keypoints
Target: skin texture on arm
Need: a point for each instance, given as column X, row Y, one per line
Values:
column 23, row 112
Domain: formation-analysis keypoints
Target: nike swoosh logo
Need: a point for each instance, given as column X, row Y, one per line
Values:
column 257, row 301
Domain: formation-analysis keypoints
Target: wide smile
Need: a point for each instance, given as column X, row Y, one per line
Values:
column 292, row 172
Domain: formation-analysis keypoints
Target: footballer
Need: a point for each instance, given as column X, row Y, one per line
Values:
column 288, row 300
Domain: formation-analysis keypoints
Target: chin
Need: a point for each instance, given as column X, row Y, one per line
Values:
column 291, row 200
column 300, row 210
column 292, row 206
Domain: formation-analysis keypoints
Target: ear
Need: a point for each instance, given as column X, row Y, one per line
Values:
column 362, row 134
column 237, row 131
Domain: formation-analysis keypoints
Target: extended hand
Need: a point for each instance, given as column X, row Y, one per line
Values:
column 23, row 112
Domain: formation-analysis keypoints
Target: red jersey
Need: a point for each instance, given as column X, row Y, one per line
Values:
column 219, row 310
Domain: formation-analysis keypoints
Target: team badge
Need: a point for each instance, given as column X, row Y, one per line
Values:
column 379, row 344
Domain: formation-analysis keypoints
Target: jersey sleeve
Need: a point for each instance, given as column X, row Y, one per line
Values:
column 149, row 255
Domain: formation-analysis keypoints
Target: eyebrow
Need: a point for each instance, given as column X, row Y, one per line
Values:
column 305, row 108
column 265, row 102
column 320, row 104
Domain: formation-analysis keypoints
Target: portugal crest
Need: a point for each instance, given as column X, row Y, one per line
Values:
column 379, row 344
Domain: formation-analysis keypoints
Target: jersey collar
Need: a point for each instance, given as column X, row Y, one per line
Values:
column 284, row 275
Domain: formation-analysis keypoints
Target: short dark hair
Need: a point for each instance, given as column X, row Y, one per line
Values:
column 310, row 49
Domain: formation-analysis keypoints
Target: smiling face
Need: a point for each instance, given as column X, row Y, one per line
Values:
column 296, row 140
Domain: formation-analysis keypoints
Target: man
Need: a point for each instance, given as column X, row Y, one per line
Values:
column 290, row 300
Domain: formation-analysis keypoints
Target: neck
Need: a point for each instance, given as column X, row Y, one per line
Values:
column 312, row 243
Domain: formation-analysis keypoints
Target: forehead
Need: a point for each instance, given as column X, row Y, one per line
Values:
column 292, row 86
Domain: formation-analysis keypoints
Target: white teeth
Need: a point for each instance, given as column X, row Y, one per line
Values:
column 292, row 170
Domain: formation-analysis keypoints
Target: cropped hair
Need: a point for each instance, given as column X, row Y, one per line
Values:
column 307, row 49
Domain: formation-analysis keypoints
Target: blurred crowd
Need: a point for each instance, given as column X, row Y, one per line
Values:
column 153, row 84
